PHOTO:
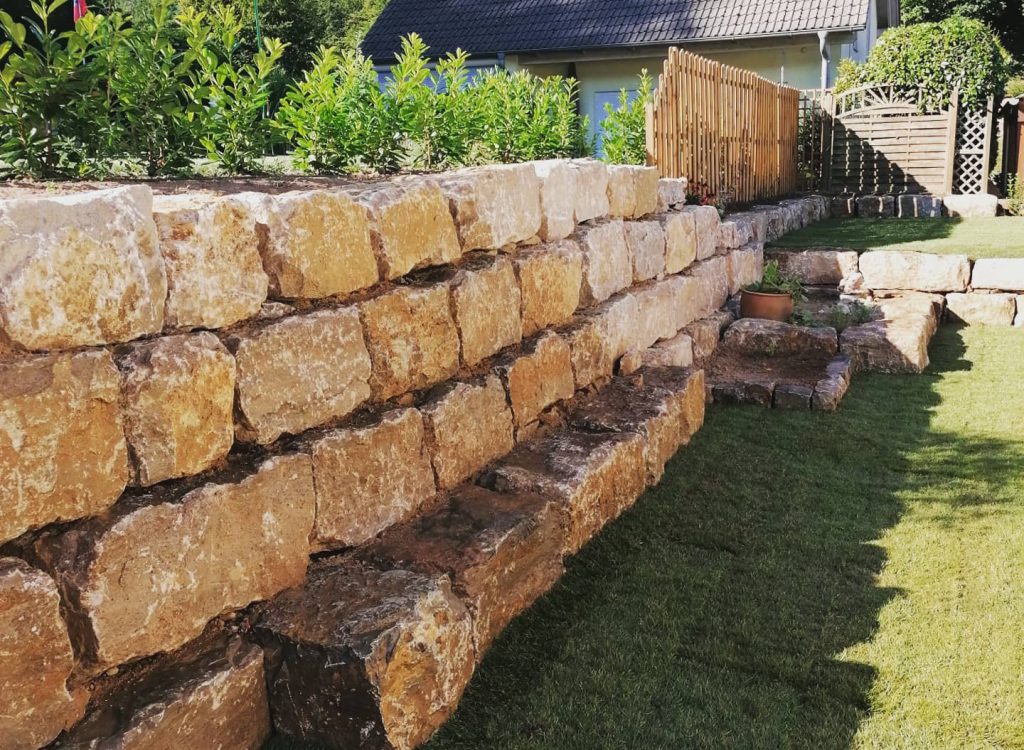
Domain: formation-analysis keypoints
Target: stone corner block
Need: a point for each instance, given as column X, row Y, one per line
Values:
column 494, row 206
column 538, row 377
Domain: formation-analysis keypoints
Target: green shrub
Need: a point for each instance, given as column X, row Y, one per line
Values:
column 1015, row 196
column 625, row 127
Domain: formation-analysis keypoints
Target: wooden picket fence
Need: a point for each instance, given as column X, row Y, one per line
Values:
column 729, row 131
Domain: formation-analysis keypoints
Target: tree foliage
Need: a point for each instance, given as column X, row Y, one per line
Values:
column 1006, row 17
column 625, row 126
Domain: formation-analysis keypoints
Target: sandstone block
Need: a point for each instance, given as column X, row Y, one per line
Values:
column 177, row 396
column 501, row 551
column 671, row 193
column 657, row 307
column 680, row 241
column 591, row 359
column 35, row 659
column 733, row 233
column 713, row 276
column 557, row 198
column 706, row 221
column 792, row 396
column 487, row 307
column 775, row 221
column 468, row 425
column 412, row 339
column 892, row 346
column 924, row 272
column 745, row 266
column 315, row 243
column 539, row 377
column 148, row 576
column 299, row 372
column 689, row 299
column 211, row 255
column 770, row 338
column 757, row 221
column 982, row 309
column 411, row 226
column 369, row 478
column 919, row 207
column 876, row 207
column 632, row 191
column 358, row 657
column 595, row 476
column 495, row 205
column 913, row 305
column 216, row 698
column 80, row 270
column 999, row 273
column 550, row 278
column 707, row 334
column 645, row 241
column 971, row 206
column 62, row 448
column 830, row 390
column 630, row 363
column 606, row 265
column 825, row 267
column 591, row 190
column 674, row 352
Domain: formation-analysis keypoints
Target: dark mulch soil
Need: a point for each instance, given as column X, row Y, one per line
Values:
column 798, row 369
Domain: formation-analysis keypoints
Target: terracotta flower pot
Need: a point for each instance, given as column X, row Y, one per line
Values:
column 768, row 306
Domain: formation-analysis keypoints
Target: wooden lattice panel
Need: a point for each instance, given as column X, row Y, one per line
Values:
column 974, row 134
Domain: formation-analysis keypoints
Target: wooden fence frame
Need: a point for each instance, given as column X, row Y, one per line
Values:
column 729, row 131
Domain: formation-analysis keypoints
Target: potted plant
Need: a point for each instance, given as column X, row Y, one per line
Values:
column 773, row 297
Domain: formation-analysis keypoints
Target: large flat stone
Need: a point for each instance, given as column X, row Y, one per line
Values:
column 62, row 449
column 971, row 206
column 550, row 278
column 893, row 346
column 671, row 193
column 501, row 551
column 494, row 206
column 35, row 659
column 412, row 339
column 745, row 266
column 706, row 221
column 924, row 272
column 591, row 190
column 816, row 267
column 770, row 338
column 468, row 425
column 632, row 191
column 369, row 477
column 558, row 186
column 487, row 306
column 300, row 372
column 606, row 265
column 674, row 352
column 359, row 657
column 538, row 377
column 982, row 309
column 680, row 241
column 645, row 241
column 211, row 253
column 150, row 574
column 657, row 314
column 713, row 277
column 734, row 233
column 80, row 270
column 999, row 273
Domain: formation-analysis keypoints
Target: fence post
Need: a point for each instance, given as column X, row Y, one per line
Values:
column 652, row 156
column 954, row 116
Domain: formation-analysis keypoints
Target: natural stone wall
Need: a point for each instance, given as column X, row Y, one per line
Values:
column 441, row 385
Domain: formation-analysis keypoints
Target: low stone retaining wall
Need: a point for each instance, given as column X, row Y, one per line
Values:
column 913, row 206
column 413, row 380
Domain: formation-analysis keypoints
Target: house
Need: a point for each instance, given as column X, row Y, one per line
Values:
column 605, row 44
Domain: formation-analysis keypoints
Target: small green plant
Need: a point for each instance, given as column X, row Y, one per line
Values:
column 773, row 281
column 625, row 127
column 1015, row 196
column 849, row 314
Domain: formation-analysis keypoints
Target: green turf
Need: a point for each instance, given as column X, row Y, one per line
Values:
column 1000, row 237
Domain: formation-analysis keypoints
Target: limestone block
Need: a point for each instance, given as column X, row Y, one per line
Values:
column 656, row 314
column 35, row 659
column 919, row 207
column 468, row 425
column 775, row 221
column 550, row 278
column 680, row 241
column 557, row 198
column 745, row 266
column 591, row 359
column 645, row 241
column 892, row 346
column 830, row 390
column 689, row 295
column 487, row 306
column 80, row 270
column 178, row 396
column 495, row 205
column 757, row 221
column 792, row 396
column 501, row 551
column 358, row 657
column 891, row 269
column 674, row 352
column 606, row 265
column 369, row 477
column 595, row 476
column 215, row 698
column 825, row 267
column 299, row 372
column 62, row 449
column 148, row 576
column 412, row 339
column 632, row 191
column 591, row 189
column 982, row 309
column 671, row 193
column 999, row 273
column 411, row 226
column 707, row 334
column 315, row 243
column 913, row 304
column 971, row 206
column 734, row 233
column 706, row 221
column 770, row 338
column 538, row 377
column 713, row 275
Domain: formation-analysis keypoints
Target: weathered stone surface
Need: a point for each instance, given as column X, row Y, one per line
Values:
column 211, row 254
column 775, row 221
column 62, row 448
column 539, row 377
column 830, row 390
column 999, row 273
column 843, row 206
column 876, row 207
column 901, row 305
column 35, row 659
column 792, row 396
column 591, row 359
column 919, row 207
column 550, row 279
column 80, row 270
column 177, row 396
column 315, row 243
column 745, row 266
column 412, row 339
column 606, row 265
column 674, row 352
column 680, row 241
column 971, row 206
column 733, row 233
column 300, row 372
column 369, row 478
column 596, row 476
column 689, row 299
column 358, row 657
column 893, row 346
column 501, row 551
column 891, row 269
column 645, row 241
column 215, row 698
column 494, row 205
column 713, row 275
column 707, row 334
column 671, row 193
column 630, row 363
column 468, row 425
column 756, row 220
column 487, row 306
column 558, row 185
column 591, row 189
column 824, row 266
column 749, row 392
column 657, row 308
column 982, row 309
column 148, row 575
column 770, row 338
column 411, row 226
column 632, row 191
column 706, row 221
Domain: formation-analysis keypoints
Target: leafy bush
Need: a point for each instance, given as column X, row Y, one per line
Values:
column 1015, row 196
column 625, row 127
column 773, row 281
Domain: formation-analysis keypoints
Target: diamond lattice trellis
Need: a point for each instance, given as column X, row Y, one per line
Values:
column 970, row 172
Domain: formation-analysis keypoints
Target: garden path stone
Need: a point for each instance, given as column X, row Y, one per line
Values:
column 982, row 309
column 923, row 272
column 816, row 266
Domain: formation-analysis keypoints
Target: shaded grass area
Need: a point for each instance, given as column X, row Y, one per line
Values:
column 999, row 237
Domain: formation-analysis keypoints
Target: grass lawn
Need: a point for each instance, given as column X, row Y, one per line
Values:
column 1000, row 237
